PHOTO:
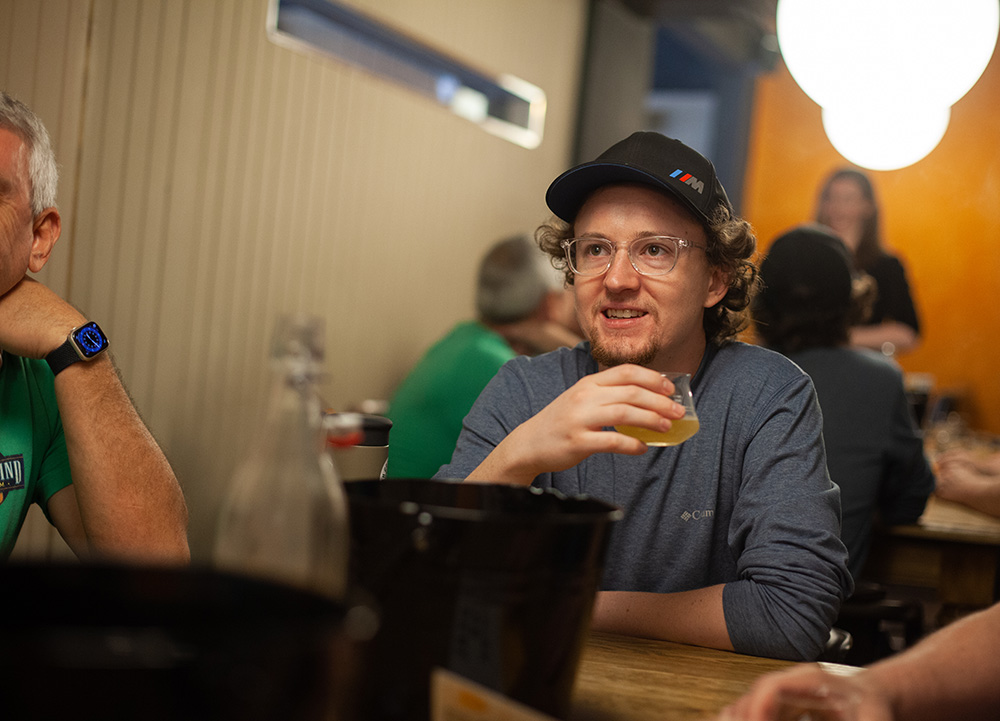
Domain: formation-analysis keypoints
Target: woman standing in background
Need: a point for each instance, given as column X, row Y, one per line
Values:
column 847, row 205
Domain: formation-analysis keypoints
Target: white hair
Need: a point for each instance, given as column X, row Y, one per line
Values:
column 43, row 173
column 514, row 279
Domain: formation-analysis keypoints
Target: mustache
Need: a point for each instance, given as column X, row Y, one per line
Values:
column 599, row 306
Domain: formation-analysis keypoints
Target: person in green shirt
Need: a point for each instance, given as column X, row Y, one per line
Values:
column 70, row 439
column 522, row 309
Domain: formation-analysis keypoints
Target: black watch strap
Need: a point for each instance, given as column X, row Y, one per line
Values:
column 62, row 357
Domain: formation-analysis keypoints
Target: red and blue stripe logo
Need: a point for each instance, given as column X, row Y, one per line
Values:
column 688, row 179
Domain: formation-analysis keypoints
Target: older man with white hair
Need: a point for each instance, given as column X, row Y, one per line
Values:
column 70, row 439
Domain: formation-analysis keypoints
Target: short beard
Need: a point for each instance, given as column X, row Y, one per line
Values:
column 608, row 357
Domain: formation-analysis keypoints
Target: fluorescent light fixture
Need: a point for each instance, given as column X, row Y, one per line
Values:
column 505, row 106
column 470, row 104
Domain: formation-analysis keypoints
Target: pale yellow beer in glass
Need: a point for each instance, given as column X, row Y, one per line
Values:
column 682, row 428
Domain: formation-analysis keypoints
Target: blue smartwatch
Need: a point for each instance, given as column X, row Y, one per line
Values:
column 83, row 343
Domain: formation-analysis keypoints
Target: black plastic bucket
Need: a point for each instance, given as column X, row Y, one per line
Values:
column 495, row 583
column 122, row 642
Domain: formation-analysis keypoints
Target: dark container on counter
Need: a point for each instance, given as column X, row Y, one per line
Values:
column 493, row 582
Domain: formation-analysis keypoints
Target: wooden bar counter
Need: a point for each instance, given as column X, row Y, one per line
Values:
column 621, row 678
column 952, row 549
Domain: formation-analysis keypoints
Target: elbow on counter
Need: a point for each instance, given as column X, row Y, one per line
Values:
column 780, row 623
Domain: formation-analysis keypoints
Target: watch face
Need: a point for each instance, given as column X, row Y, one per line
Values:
column 90, row 339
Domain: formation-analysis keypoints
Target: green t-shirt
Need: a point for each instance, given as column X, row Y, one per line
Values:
column 428, row 407
column 33, row 460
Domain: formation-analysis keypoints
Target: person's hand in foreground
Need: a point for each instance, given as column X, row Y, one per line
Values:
column 951, row 674
column 783, row 695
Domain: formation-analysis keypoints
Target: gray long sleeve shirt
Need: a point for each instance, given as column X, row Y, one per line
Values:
column 746, row 502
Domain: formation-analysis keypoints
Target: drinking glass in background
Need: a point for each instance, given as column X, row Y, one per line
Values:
column 682, row 428
column 919, row 389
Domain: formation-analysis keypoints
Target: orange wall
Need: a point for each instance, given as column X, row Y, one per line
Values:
column 941, row 215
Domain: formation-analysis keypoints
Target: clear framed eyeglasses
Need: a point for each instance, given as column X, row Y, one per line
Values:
column 652, row 255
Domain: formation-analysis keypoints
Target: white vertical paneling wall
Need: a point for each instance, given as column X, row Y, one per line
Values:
column 212, row 180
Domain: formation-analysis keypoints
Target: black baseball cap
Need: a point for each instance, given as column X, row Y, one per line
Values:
column 807, row 265
column 643, row 157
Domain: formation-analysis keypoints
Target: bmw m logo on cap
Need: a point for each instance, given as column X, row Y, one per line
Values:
column 689, row 179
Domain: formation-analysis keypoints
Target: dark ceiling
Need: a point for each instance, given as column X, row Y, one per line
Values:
column 744, row 30
column 757, row 12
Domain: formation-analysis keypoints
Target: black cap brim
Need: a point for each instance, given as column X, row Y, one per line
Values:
column 663, row 163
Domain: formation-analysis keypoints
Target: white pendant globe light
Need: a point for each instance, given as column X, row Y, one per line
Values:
column 855, row 56
column 886, row 139
column 869, row 50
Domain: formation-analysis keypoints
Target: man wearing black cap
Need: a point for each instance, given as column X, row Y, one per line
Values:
column 729, row 540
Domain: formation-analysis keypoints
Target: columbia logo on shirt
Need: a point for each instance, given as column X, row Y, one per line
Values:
column 11, row 474
column 697, row 515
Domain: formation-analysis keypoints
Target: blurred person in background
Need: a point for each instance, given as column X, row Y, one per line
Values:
column 70, row 439
column 809, row 301
column 847, row 204
column 522, row 309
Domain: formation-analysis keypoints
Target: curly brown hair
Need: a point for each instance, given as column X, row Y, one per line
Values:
column 731, row 248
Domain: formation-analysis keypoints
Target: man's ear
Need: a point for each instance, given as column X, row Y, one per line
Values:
column 718, row 286
column 46, row 228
